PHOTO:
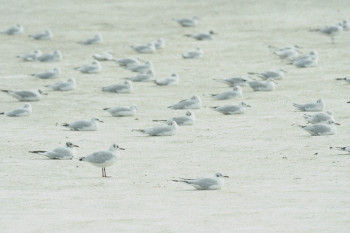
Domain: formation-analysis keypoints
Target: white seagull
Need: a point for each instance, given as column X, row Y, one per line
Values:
column 26, row 110
column 206, row 183
column 61, row 153
column 82, row 125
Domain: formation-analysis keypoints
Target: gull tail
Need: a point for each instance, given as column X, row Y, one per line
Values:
column 65, row 124
column 340, row 79
column 6, row 91
column 106, row 109
column 2, row 113
column 159, row 120
column 138, row 130
column 301, row 126
column 81, row 158
column 188, row 35
column 184, row 181
column 314, row 29
column 338, row 148
column 37, row 151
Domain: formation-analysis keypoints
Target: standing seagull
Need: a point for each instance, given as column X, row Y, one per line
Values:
column 61, row 152
column 26, row 95
column 104, row 158
column 206, row 183
column 97, row 39
column 317, row 106
column 26, row 110
column 187, row 22
column 91, row 125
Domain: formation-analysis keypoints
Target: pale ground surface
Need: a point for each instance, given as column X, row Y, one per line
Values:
column 303, row 192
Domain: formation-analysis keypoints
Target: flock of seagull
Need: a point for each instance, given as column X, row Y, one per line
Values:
column 320, row 123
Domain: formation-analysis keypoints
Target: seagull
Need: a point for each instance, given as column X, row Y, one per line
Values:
column 82, row 125
column 26, row 95
column 97, row 39
column 167, row 129
column 104, row 158
column 62, row 153
column 103, row 56
column 271, row 74
column 234, row 81
column 197, row 53
column 230, row 109
column 202, row 36
column 128, row 61
column 51, row 57
column 93, row 68
column 172, row 80
column 206, row 183
column 125, row 87
column 235, row 92
column 45, row 35
column 141, row 68
column 188, row 119
column 321, row 117
column 321, row 129
column 14, row 30
column 347, row 79
column 26, row 110
column 267, row 85
column 187, row 22
column 344, row 148
column 148, row 48
column 317, row 106
column 122, row 111
column 48, row 74
column 159, row 44
column 142, row 77
column 32, row 56
column 332, row 31
column 288, row 52
column 69, row 84
column 193, row 103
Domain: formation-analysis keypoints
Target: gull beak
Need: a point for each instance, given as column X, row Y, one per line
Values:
column 336, row 123
column 75, row 145
column 100, row 121
column 248, row 105
column 226, row 176
column 121, row 148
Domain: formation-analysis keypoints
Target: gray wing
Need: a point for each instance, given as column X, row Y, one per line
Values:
column 59, row 153
column 17, row 112
column 182, row 104
column 99, row 157
column 180, row 120
column 228, row 108
column 46, row 57
column 203, row 183
column 158, row 130
column 25, row 94
column 318, row 129
column 257, row 85
column 80, row 124
column 44, row 75
column 225, row 95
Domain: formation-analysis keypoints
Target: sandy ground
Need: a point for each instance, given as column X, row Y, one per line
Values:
column 277, row 182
